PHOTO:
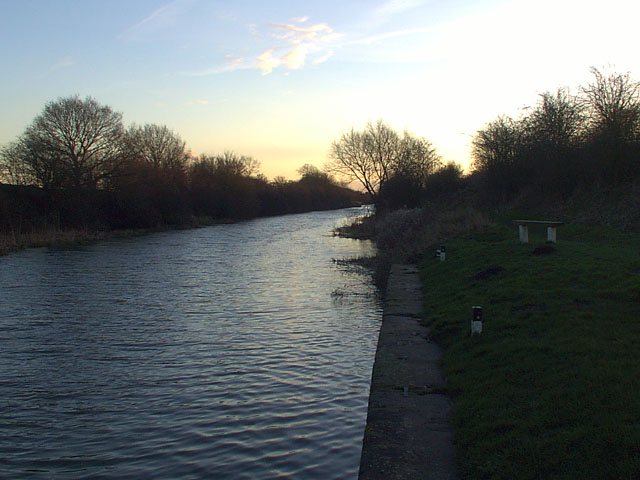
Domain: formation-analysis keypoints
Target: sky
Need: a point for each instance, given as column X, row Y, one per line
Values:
column 281, row 80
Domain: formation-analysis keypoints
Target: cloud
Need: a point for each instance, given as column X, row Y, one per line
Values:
column 392, row 7
column 300, row 43
column 232, row 64
column 297, row 44
column 159, row 19
column 295, row 58
column 385, row 12
column 298, row 34
column 388, row 35
column 323, row 58
column 198, row 101
column 267, row 62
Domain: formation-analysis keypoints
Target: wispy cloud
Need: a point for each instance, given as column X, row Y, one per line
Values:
column 159, row 19
column 322, row 59
column 232, row 63
column 379, row 37
column 300, row 43
column 386, row 12
column 392, row 7
column 297, row 44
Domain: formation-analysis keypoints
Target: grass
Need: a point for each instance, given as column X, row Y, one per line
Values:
column 56, row 238
column 550, row 389
column 12, row 241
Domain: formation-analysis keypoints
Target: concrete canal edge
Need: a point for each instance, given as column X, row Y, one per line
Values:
column 408, row 433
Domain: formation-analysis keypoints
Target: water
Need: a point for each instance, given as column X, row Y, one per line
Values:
column 233, row 351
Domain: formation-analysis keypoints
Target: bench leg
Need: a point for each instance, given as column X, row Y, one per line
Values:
column 523, row 230
column 551, row 234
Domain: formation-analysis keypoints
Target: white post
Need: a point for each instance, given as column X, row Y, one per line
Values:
column 476, row 320
column 443, row 254
column 551, row 234
column 523, row 230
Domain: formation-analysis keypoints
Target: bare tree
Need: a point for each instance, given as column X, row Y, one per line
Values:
column 15, row 168
column 558, row 120
column 208, row 170
column 417, row 159
column 280, row 181
column 73, row 143
column 230, row 163
column 498, row 144
column 349, row 159
column 310, row 172
column 553, row 133
column 158, row 146
column 613, row 141
column 614, row 104
column 497, row 152
column 373, row 155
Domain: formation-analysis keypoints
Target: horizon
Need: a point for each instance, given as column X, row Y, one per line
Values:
column 281, row 82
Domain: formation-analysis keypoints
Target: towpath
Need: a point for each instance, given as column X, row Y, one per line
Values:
column 408, row 433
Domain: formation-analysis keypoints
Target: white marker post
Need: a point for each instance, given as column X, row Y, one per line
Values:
column 442, row 253
column 476, row 320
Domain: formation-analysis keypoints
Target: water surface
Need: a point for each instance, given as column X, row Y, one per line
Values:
column 232, row 351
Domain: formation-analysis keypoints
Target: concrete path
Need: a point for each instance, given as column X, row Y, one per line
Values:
column 408, row 433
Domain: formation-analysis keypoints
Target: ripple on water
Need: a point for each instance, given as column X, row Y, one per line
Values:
column 210, row 353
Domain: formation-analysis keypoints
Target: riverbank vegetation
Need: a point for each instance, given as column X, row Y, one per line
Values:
column 549, row 389
column 563, row 156
column 572, row 157
column 77, row 171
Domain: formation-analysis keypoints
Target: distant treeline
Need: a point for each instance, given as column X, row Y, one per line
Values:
column 76, row 166
column 565, row 145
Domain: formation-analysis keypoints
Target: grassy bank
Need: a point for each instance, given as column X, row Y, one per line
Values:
column 57, row 238
column 551, row 387
column 12, row 241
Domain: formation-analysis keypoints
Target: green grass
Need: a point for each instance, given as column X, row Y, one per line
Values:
column 551, row 388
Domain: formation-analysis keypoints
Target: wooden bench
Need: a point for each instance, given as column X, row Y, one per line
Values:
column 523, row 229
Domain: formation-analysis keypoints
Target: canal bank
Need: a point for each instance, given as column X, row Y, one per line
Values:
column 408, row 434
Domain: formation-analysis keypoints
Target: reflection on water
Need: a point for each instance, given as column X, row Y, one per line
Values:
column 211, row 353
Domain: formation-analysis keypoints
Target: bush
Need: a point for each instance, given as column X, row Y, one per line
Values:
column 405, row 234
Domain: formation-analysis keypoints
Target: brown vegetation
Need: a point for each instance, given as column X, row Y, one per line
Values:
column 77, row 169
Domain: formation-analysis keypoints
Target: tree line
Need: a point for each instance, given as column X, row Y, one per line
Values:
column 566, row 142
column 76, row 165
column 396, row 170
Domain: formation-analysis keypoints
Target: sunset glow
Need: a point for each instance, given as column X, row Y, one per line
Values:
column 281, row 80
